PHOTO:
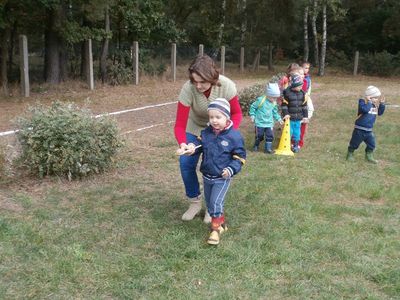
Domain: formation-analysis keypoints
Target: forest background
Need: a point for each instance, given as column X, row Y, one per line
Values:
column 325, row 32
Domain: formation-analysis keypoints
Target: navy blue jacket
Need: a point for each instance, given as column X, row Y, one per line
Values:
column 294, row 104
column 220, row 151
column 367, row 114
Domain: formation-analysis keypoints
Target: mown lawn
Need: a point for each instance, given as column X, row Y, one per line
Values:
column 309, row 227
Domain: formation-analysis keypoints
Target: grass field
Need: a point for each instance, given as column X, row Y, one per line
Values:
column 309, row 227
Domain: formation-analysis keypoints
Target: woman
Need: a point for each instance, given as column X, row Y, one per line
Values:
column 205, row 84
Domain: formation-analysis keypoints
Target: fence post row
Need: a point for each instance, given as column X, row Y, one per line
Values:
column 241, row 59
column 356, row 58
column 24, row 65
column 135, row 62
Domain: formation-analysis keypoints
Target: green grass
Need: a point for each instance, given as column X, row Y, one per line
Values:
column 308, row 227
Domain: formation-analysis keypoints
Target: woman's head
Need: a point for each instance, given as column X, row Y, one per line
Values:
column 203, row 73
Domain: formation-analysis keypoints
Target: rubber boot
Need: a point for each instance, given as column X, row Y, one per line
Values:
column 370, row 157
column 349, row 156
column 296, row 146
column 193, row 210
column 268, row 148
column 255, row 147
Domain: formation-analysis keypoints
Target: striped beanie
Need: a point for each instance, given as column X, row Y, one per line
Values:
column 296, row 81
column 222, row 105
column 372, row 91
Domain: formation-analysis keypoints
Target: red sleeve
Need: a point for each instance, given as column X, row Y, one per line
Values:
column 236, row 112
column 305, row 86
column 182, row 116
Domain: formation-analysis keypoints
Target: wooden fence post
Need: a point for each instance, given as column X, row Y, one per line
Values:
column 90, row 65
column 356, row 57
column 201, row 49
column 24, row 65
column 173, row 61
column 222, row 60
column 135, row 62
column 241, row 59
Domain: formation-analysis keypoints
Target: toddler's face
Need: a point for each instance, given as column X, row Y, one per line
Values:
column 306, row 69
column 272, row 99
column 217, row 119
column 297, row 88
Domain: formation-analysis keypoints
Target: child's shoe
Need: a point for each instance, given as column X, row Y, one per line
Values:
column 296, row 147
column 215, row 234
column 370, row 158
column 349, row 156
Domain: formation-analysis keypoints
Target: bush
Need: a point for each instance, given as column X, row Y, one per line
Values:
column 381, row 64
column 120, row 74
column 66, row 141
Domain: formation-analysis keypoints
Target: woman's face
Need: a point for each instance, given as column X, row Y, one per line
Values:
column 200, row 84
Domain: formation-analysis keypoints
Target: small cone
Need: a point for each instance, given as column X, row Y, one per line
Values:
column 284, row 143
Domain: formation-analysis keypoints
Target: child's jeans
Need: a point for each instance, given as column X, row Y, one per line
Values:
column 295, row 130
column 188, row 165
column 360, row 136
column 261, row 132
column 214, row 193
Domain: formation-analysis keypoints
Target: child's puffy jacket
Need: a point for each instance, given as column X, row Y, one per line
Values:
column 220, row 151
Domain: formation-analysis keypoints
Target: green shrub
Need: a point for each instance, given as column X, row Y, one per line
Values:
column 381, row 64
column 66, row 141
column 119, row 74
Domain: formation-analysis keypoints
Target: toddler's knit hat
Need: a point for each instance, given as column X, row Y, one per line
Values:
column 372, row 91
column 222, row 105
column 296, row 81
column 272, row 90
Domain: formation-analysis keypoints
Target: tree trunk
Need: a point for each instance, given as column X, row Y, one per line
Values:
column 305, row 23
column 243, row 27
column 52, row 49
column 315, row 33
column 63, row 46
column 104, row 48
column 4, row 57
column 321, row 71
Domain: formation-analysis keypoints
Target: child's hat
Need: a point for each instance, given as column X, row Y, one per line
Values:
column 272, row 90
column 296, row 81
column 372, row 91
column 222, row 105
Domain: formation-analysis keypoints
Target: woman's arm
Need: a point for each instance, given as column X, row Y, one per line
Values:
column 182, row 116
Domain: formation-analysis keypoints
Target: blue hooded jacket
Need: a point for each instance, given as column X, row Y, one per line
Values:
column 367, row 113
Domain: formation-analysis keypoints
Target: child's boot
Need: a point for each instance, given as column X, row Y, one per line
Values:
column 268, row 148
column 217, row 228
column 370, row 158
column 255, row 147
column 193, row 210
column 296, row 146
column 349, row 156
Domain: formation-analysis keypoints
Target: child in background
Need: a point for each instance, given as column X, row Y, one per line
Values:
column 310, row 107
column 368, row 108
column 264, row 113
column 294, row 107
column 284, row 82
column 223, row 156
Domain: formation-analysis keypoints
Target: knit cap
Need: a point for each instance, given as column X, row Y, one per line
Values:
column 296, row 81
column 272, row 90
column 222, row 105
column 372, row 91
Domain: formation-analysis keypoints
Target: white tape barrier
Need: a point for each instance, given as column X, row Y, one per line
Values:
column 10, row 132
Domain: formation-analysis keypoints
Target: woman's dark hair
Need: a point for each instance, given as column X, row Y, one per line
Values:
column 204, row 66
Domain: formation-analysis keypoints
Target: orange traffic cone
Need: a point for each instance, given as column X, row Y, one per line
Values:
column 284, row 143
